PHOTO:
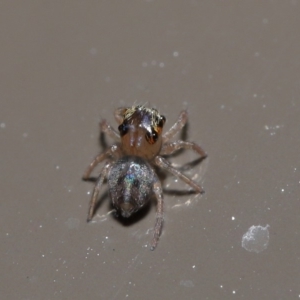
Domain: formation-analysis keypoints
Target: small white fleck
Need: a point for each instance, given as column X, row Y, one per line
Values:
column 264, row 106
column 282, row 190
column 43, row 255
column 233, row 292
column 41, row 226
column 221, row 286
column 232, row 218
column 254, row 95
column 222, row 106
column 88, row 193
column 57, row 167
column 161, row 65
column 2, row 125
column 194, row 267
column 175, row 53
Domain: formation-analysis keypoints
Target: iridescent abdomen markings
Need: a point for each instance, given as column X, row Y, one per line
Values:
column 130, row 184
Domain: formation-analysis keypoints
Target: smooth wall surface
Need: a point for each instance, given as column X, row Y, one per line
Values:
column 235, row 65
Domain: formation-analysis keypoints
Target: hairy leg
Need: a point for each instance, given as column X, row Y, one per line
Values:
column 170, row 148
column 97, row 188
column 111, row 132
column 113, row 151
column 181, row 121
column 159, row 214
column 164, row 164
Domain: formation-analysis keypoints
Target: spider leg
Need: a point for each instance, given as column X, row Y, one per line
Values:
column 119, row 113
column 113, row 151
column 164, row 164
column 179, row 124
column 159, row 214
column 111, row 132
column 96, row 191
column 170, row 148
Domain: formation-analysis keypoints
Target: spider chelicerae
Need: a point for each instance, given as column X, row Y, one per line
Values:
column 130, row 163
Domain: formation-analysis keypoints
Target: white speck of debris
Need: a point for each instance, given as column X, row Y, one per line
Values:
column 161, row 65
column 256, row 239
column 57, row 167
column 2, row 125
column 175, row 53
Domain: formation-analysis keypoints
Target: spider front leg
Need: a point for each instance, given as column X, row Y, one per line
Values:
column 99, row 182
column 111, row 132
column 179, row 124
column 157, row 189
column 164, row 164
column 170, row 148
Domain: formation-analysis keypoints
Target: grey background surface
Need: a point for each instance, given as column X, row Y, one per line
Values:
column 67, row 64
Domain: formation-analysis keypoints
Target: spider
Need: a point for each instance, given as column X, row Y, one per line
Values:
column 130, row 163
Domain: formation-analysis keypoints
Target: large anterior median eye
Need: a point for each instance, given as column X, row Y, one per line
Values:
column 151, row 137
column 123, row 129
column 162, row 121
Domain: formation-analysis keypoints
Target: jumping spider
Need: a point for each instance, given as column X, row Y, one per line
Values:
column 129, row 167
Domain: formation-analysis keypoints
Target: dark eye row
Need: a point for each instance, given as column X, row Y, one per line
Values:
column 123, row 129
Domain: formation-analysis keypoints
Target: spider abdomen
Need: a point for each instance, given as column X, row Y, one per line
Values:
column 130, row 184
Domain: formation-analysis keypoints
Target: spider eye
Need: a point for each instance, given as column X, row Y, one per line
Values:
column 123, row 129
column 162, row 121
column 151, row 137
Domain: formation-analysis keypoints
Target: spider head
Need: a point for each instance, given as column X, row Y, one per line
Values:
column 141, row 131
